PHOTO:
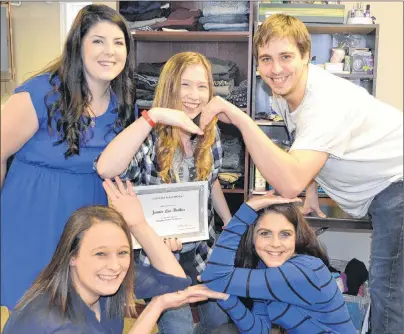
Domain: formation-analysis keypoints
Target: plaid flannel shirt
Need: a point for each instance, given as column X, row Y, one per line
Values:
column 143, row 171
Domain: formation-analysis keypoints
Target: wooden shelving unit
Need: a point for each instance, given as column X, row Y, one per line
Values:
column 190, row 36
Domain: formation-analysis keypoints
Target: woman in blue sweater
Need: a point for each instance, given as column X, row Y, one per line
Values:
column 270, row 254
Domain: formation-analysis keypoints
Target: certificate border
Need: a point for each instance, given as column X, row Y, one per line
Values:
column 202, row 187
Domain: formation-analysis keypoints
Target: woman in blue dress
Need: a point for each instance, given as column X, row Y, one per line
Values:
column 56, row 123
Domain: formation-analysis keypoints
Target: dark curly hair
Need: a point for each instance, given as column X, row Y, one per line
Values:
column 68, row 80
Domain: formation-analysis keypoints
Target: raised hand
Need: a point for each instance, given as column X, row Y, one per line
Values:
column 260, row 202
column 174, row 117
column 124, row 200
column 192, row 294
column 311, row 203
column 220, row 108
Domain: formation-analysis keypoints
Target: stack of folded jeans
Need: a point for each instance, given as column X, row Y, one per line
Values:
column 225, row 15
column 238, row 96
column 143, row 14
column 232, row 171
column 180, row 19
column 147, row 76
column 224, row 72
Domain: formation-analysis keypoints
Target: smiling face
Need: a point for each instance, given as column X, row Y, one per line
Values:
column 194, row 94
column 101, row 263
column 274, row 239
column 283, row 68
column 103, row 52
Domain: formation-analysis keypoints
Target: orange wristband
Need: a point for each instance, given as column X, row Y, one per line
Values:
column 148, row 119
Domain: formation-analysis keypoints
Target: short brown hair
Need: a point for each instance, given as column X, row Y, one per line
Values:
column 281, row 26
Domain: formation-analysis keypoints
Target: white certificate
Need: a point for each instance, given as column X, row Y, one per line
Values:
column 177, row 210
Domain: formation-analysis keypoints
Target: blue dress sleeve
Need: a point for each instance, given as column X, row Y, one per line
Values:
column 295, row 282
column 255, row 321
column 38, row 87
column 150, row 282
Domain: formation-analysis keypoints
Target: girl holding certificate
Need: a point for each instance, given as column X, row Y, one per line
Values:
column 88, row 285
column 160, row 148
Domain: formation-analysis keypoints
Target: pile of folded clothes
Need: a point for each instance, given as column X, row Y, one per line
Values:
column 141, row 15
column 225, row 16
column 224, row 73
column 231, row 173
column 238, row 96
column 146, row 79
column 180, row 19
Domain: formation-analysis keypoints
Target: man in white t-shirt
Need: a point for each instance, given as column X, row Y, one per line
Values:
column 345, row 139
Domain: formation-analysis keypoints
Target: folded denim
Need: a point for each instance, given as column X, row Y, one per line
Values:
column 225, row 8
column 237, row 18
column 224, row 26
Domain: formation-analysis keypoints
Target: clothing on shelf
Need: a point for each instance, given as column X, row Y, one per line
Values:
column 181, row 18
column 238, row 96
column 236, row 18
column 225, row 16
column 225, row 8
column 223, row 69
column 226, row 26
column 223, row 87
column 141, row 15
column 233, row 156
column 146, row 80
column 146, row 23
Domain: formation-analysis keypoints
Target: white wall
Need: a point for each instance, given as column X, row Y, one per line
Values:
column 345, row 246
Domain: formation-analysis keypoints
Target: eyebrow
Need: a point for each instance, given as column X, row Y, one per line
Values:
column 105, row 247
column 103, row 37
column 267, row 230
column 204, row 82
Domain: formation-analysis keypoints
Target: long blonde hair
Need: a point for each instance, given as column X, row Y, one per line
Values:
column 168, row 96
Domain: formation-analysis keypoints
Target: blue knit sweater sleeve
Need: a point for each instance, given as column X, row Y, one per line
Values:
column 295, row 282
column 255, row 321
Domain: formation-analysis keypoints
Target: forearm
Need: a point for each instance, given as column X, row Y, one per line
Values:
column 118, row 154
column 221, row 262
column 311, row 189
column 148, row 318
column 245, row 320
column 279, row 168
column 219, row 203
column 159, row 255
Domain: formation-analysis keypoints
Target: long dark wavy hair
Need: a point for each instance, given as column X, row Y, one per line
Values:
column 67, row 79
column 56, row 280
column 306, row 239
